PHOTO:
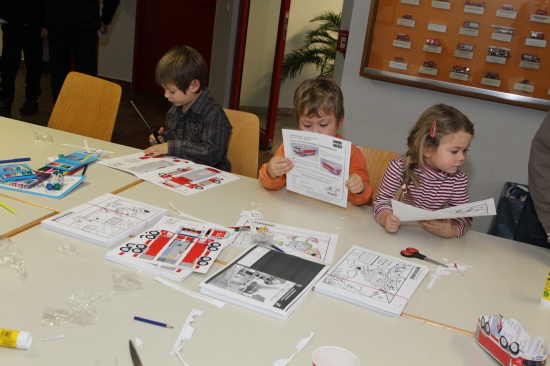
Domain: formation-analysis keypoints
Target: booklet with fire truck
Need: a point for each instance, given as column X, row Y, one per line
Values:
column 508, row 342
column 173, row 248
column 321, row 165
column 105, row 220
column 265, row 280
column 373, row 280
column 179, row 175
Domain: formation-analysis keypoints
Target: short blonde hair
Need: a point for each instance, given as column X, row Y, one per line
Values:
column 321, row 94
column 180, row 66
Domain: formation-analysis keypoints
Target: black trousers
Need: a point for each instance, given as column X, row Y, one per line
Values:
column 68, row 47
column 17, row 39
column 529, row 229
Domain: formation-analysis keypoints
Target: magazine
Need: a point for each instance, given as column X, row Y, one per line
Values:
column 173, row 248
column 373, row 280
column 105, row 220
column 266, row 281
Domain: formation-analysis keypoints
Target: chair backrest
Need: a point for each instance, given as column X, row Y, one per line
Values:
column 86, row 105
column 244, row 142
column 377, row 162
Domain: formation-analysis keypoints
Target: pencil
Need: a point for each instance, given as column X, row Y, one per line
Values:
column 2, row 204
column 152, row 322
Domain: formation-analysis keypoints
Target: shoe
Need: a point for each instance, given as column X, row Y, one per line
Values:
column 5, row 109
column 29, row 107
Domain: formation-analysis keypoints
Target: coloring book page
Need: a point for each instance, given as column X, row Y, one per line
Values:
column 374, row 280
column 321, row 165
column 105, row 220
column 410, row 213
column 179, row 175
column 292, row 240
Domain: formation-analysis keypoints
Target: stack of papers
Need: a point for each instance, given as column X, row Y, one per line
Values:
column 173, row 248
column 373, row 280
column 105, row 220
column 266, row 281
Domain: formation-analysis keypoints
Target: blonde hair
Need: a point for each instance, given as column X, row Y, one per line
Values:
column 180, row 66
column 321, row 94
column 444, row 120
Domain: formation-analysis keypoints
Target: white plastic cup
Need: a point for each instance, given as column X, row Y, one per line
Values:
column 333, row 356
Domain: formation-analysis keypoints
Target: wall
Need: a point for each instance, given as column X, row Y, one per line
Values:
column 116, row 48
column 379, row 114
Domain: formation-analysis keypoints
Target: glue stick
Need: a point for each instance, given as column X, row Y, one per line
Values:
column 546, row 293
column 15, row 338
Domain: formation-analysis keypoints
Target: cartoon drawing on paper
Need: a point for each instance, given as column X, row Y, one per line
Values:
column 370, row 275
column 108, row 219
column 297, row 241
column 479, row 210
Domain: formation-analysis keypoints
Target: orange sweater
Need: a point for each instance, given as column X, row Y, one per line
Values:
column 357, row 165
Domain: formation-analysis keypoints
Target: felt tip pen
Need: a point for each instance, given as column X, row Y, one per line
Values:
column 152, row 322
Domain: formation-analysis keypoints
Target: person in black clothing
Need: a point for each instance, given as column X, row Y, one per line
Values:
column 23, row 30
column 73, row 30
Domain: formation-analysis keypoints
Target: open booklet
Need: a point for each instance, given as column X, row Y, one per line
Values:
column 265, row 280
column 373, row 280
column 321, row 165
column 170, row 172
column 173, row 248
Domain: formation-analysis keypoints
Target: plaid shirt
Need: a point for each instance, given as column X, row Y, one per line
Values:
column 201, row 134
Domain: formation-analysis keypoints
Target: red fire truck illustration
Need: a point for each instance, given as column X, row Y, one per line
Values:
column 194, row 179
column 304, row 151
column 331, row 167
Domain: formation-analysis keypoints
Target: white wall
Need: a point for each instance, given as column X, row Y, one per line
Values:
column 379, row 114
column 116, row 48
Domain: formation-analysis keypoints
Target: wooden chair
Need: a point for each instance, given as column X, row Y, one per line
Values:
column 377, row 162
column 244, row 142
column 86, row 105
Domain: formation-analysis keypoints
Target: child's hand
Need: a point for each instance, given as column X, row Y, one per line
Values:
column 443, row 228
column 279, row 165
column 160, row 149
column 355, row 184
column 152, row 140
column 390, row 222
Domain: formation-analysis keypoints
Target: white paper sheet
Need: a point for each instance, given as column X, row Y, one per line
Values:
column 321, row 165
column 410, row 213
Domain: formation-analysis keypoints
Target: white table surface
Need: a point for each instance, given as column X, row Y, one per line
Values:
column 506, row 277
column 99, row 179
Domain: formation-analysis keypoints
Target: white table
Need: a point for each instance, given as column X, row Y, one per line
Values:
column 506, row 277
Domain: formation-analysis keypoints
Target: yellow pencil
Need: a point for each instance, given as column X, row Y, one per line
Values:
column 2, row 204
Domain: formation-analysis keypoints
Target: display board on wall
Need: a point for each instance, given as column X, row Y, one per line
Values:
column 495, row 50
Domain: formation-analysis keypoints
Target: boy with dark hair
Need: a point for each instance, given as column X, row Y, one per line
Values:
column 197, row 128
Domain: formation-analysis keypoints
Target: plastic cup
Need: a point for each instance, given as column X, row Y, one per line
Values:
column 333, row 356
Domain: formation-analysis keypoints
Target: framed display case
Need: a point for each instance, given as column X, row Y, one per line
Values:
column 492, row 50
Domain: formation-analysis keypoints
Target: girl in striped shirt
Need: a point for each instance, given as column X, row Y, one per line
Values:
column 429, row 176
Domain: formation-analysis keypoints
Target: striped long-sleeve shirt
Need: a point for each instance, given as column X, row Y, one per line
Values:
column 437, row 190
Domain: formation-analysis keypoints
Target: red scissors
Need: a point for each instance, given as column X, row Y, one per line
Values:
column 413, row 252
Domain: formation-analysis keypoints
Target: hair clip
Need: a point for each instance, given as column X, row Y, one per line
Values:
column 433, row 129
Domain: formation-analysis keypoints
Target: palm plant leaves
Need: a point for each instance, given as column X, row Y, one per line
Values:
column 319, row 47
